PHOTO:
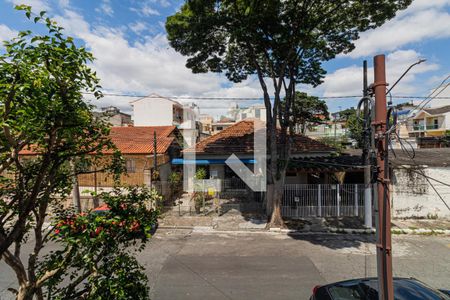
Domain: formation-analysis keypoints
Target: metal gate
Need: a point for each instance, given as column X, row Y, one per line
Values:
column 323, row 200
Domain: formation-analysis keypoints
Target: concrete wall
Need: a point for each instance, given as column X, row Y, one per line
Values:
column 153, row 112
column 300, row 178
column 412, row 196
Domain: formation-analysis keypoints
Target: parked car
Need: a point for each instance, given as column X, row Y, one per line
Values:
column 367, row 289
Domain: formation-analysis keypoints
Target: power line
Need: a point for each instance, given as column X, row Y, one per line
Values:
column 431, row 97
column 423, row 173
column 250, row 98
column 422, row 105
column 420, row 173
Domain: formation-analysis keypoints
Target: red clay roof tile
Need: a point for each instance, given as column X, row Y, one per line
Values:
column 238, row 138
column 135, row 140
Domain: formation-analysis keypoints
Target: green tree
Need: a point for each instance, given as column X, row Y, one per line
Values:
column 43, row 113
column 283, row 42
column 94, row 257
column 345, row 114
column 356, row 128
column 307, row 111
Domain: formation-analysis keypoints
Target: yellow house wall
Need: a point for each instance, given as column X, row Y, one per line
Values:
column 435, row 133
column 143, row 165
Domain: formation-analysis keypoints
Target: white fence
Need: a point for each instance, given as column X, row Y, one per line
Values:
column 323, row 200
column 299, row 200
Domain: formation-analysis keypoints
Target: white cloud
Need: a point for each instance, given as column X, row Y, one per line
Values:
column 163, row 3
column 37, row 5
column 106, row 8
column 138, row 27
column 142, row 67
column 6, row 33
column 442, row 91
column 64, row 3
column 424, row 19
column 145, row 9
column 348, row 81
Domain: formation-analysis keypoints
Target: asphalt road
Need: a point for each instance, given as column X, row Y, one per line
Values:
column 195, row 265
column 275, row 266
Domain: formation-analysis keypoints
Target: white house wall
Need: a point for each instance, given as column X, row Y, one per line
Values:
column 447, row 121
column 153, row 112
column 412, row 196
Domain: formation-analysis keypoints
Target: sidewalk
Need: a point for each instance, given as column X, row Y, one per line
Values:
column 236, row 221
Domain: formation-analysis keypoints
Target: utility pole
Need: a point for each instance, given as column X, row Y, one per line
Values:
column 335, row 120
column 75, row 189
column 155, row 155
column 336, row 116
column 366, row 153
column 384, row 244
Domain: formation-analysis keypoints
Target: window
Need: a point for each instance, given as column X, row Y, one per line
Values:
column 257, row 113
column 219, row 128
column 243, row 116
column 131, row 165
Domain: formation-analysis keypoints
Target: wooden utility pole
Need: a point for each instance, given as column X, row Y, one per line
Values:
column 384, row 244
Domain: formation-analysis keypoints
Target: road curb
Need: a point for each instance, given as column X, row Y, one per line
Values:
column 210, row 229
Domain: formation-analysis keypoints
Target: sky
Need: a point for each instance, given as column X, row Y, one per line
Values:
column 133, row 57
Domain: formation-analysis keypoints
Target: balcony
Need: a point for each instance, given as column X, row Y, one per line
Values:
column 433, row 126
column 427, row 127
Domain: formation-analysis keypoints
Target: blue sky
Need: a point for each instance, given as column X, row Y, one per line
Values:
column 128, row 39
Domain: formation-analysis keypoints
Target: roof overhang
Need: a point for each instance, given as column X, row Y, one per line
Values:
column 182, row 161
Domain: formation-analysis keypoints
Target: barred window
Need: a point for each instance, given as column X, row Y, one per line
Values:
column 131, row 165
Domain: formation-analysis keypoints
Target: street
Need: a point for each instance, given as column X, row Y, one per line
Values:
column 190, row 265
column 182, row 264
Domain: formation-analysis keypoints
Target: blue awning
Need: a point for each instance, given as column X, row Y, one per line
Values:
column 181, row 161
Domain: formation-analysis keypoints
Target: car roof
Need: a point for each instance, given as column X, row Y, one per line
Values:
column 369, row 279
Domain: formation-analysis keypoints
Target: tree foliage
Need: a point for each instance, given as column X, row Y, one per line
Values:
column 282, row 42
column 48, row 135
column 94, row 254
column 356, row 128
column 308, row 111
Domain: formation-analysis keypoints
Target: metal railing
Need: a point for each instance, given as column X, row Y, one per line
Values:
column 323, row 200
column 427, row 127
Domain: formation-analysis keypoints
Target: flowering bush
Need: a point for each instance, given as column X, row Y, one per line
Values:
column 95, row 248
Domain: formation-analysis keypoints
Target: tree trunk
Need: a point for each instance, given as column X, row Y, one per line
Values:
column 25, row 293
column 276, row 219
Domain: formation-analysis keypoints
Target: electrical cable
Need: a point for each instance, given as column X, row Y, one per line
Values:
column 247, row 98
column 417, row 172
column 421, row 105
column 423, row 174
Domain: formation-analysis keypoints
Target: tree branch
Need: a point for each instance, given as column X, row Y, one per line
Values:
column 17, row 266
column 49, row 274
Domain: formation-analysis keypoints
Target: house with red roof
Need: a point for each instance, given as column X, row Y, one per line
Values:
column 137, row 145
column 212, row 152
column 142, row 158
